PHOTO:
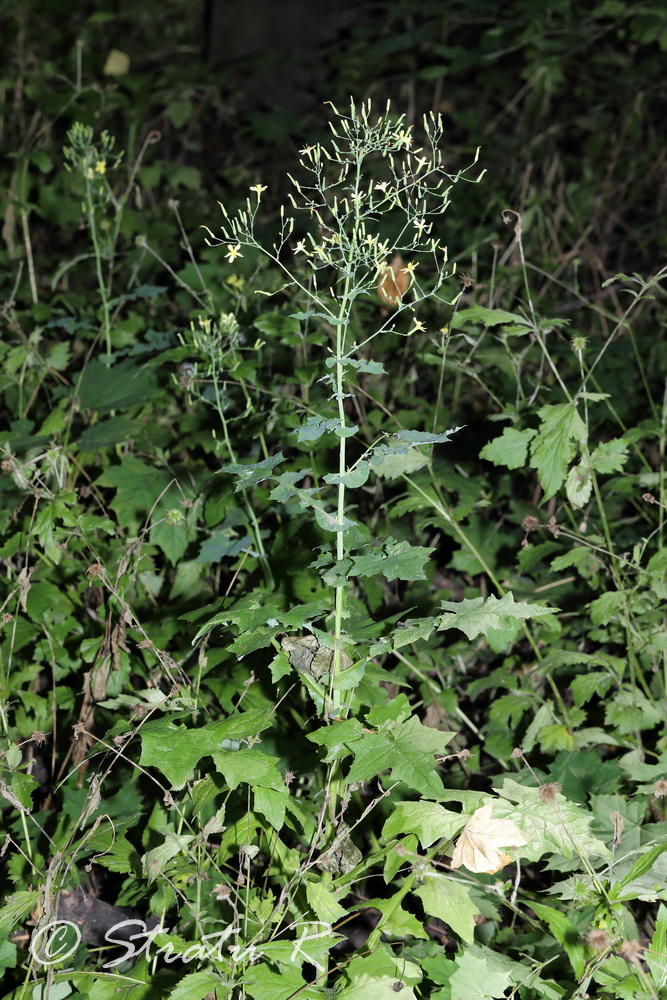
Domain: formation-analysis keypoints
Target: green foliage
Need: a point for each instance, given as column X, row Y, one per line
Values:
column 302, row 657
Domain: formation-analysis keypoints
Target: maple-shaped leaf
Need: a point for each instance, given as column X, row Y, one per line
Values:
column 445, row 897
column 176, row 750
column 480, row 843
column 562, row 431
column 476, row 616
column 555, row 825
column 393, row 560
column 405, row 748
column 251, row 474
column 510, row 449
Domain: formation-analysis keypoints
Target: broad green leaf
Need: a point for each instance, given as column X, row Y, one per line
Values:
column 555, row 445
column 656, row 955
column 395, row 857
column 396, row 922
column 21, row 787
column 586, row 562
column 510, row 449
column 412, row 631
column 579, row 485
column 476, row 616
column 642, row 865
column 374, row 977
column 138, row 486
column 270, row 802
column 153, row 861
column 564, row 932
column 262, row 983
column 554, row 826
column 176, row 750
column 314, row 428
column 604, row 608
column 250, row 475
column 250, row 612
column 16, row 906
column 194, row 986
column 510, row 708
column 354, row 478
column 542, row 718
column 358, row 364
column 171, row 538
column 120, row 387
column 338, row 738
column 618, row 975
column 630, row 710
column 122, row 857
column 393, row 560
column 108, row 432
column 449, row 899
column 369, row 367
column 287, row 487
column 474, row 980
column 398, row 463
column 46, row 602
column 488, row 317
column 407, row 750
column 429, row 820
column 220, row 546
column 610, row 456
column 277, row 325
column 399, row 455
column 556, row 736
column 249, row 766
column 585, row 686
column 323, row 902
column 414, row 438
column 329, row 520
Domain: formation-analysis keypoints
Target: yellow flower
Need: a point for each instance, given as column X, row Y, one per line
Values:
column 258, row 188
column 233, row 252
column 417, row 327
column 409, row 268
column 100, row 167
column 403, row 138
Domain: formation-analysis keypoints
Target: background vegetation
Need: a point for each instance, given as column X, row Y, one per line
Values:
column 295, row 581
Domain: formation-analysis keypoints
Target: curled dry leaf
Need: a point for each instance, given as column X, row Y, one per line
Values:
column 480, row 843
column 394, row 282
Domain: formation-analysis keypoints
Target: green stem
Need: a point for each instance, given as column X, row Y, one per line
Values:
column 90, row 208
column 341, row 329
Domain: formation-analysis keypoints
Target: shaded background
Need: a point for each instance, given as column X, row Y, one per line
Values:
column 567, row 101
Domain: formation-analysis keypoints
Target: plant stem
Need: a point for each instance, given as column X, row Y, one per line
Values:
column 90, row 209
